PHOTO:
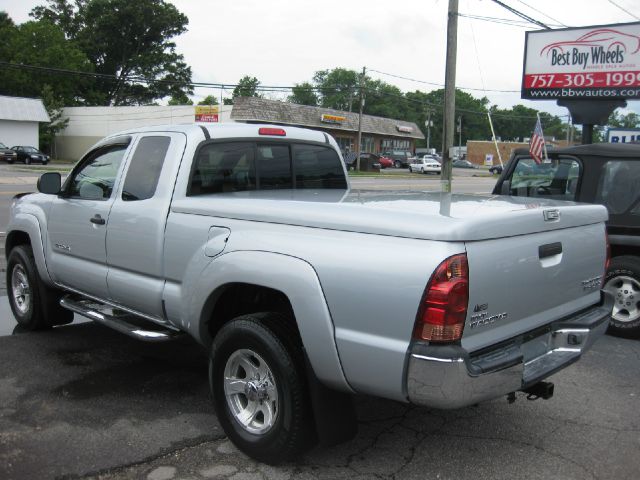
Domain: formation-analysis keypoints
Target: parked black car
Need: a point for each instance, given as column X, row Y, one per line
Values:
column 463, row 164
column 7, row 154
column 369, row 162
column 30, row 154
column 496, row 169
column 608, row 174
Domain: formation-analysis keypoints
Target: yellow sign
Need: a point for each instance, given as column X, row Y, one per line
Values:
column 332, row 118
column 207, row 113
column 206, row 109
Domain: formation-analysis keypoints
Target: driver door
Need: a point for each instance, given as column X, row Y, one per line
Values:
column 77, row 222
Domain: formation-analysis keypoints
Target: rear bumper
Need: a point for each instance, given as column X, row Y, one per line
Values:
column 447, row 376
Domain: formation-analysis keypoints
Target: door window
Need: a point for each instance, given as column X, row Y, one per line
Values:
column 144, row 171
column 97, row 175
column 556, row 178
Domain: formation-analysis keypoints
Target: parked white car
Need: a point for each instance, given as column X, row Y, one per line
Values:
column 426, row 164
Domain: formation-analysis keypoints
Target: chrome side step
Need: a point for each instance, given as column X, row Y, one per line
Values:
column 123, row 322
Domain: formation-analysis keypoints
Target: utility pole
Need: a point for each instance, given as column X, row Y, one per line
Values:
column 428, row 125
column 364, row 71
column 449, row 95
column 459, row 135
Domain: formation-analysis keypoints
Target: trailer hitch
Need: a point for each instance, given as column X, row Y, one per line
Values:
column 542, row 390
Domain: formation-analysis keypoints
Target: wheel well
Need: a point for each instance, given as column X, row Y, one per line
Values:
column 14, row 239
column 233, row 300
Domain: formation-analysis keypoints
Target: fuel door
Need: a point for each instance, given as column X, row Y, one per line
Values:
column 217, row 241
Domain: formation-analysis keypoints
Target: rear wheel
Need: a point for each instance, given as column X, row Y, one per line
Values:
column 35, row 306
column 397, row 164
column 623, row 282
column 27, row 161
column 257, row 379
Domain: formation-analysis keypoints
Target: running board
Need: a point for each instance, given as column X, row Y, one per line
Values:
column 119, row 320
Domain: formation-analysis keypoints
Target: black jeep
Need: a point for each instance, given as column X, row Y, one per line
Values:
column 605, row 173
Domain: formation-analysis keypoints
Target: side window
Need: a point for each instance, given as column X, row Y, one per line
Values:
column 557, row 178
column 619, row 187
column 274, row 167
column 96, row 177
column 224, row 167
column 317, row 167
column 144, row 171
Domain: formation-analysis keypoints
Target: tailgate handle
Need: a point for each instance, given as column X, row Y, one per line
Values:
column 549, row 250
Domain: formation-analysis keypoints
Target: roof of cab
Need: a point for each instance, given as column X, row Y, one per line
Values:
column 234, row 130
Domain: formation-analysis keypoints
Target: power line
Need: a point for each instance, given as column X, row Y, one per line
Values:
column 542, row 13
column 441, row 84
column 521, row 15
column 277, row 89
column 502, row 21
column 623, row 9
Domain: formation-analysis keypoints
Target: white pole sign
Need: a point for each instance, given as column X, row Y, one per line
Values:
column 600, row 62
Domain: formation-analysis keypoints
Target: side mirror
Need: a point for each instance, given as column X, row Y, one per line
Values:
column 50, row 183
column 505, row 189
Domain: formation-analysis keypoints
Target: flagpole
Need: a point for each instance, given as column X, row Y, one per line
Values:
column 544, row 144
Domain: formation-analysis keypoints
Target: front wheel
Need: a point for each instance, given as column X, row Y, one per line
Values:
column 397, row 164
column 256, row 375
column 622, row 280
column 34, row 305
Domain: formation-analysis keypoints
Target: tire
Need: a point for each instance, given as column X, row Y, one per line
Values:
column 44, row 162
column 397, row 164
column 281, row 424
column 623, row 281
column 34, row 305
column 422, row 170
column 27, row 161
column 410, row 170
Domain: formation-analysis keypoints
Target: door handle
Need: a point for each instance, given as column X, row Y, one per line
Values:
column 97, row 219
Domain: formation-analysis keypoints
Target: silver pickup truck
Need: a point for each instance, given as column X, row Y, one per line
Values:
column 248, row 239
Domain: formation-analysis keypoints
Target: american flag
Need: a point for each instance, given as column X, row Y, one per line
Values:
column 537, row 143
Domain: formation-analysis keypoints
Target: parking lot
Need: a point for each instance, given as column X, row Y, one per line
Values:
column 82, row 401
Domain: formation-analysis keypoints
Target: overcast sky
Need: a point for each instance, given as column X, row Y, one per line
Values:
column 283, row 42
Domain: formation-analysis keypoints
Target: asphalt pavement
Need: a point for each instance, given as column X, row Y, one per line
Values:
column 82, row 401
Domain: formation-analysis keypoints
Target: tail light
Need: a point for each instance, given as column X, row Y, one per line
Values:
column 278, row 132
column 443, row 309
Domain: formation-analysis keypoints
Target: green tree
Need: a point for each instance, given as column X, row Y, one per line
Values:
column 208, row 100
column 628, row 120
column 303, row 94
column 131, row 42
column 338, row 88
column 41, row 44
column 247, row 87
column 180, row 99
column 47, row 131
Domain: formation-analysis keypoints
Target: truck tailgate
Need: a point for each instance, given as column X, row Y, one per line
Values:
column 518, row 284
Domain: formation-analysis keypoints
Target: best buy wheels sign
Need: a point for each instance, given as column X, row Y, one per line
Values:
column 600, row 62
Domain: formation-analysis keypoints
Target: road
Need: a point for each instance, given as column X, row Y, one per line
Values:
column 82, row 401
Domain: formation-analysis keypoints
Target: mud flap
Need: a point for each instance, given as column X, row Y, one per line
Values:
column 334, row 412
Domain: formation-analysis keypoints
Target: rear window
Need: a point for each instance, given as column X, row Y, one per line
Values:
column 241, row 166
column 556, row 178
column 619, row 187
